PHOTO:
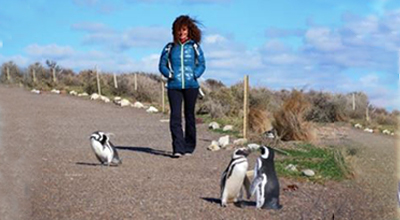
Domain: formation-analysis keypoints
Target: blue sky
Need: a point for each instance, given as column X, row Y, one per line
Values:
column 337, row 46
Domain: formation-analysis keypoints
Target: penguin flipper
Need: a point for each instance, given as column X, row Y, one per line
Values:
column 246, row 186
column 223, row 181
column 256, row 182
column 116, row 159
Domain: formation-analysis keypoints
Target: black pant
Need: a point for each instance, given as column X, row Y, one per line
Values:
column 183, row 144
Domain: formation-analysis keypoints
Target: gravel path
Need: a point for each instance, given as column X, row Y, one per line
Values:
column 50, row 172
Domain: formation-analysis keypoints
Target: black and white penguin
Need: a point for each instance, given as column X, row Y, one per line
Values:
column 233, row 177
column 104, row 149
column 265, row 183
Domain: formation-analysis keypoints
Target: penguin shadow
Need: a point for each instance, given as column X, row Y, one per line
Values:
column 88, row 164
column 240, row 204
column 147, row 150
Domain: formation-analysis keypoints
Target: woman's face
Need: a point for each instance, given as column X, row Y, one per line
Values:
column 183, row 34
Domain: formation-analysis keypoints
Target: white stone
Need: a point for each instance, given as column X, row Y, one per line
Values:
column 358, row 126
column 138, row 105
column 117, row 98
column 94, row 96
column 240, row 141
column 83, row 94
column 164, row 120
column 124, row 103
column 291, row 167
column 105, row 99
column 213, row 125
column 369, row 130
column 214, row 146
column 308, row 172
column 73, row 92
column 253, row 146
column 152, row 109
column 228, row 128
column 55, row 91
column 35, row 91
column 223, row 141
column 386, row 132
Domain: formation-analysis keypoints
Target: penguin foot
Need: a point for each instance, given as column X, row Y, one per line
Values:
column 239, row 204
column 275, row 206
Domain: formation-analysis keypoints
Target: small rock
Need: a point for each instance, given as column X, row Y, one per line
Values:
column 308, row 172
column 214, row 146
column 291, row 167
column 369, row 130
column 138, row 105
column 386, row 131
column 223, row 141
column 358, row 126
column 73, row 92
column 164, row 120
column 152, row 110
column 35, row 91
column 253, row 146
column 124, row 103
column 228, row 128
column 105, row 99
column 240, row 141
column 213, row 125
column 94, row 96
column 55, row 91
column 117, row 98
column 83, row 94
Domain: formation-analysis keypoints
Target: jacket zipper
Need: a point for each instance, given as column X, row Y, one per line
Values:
column 182, row 66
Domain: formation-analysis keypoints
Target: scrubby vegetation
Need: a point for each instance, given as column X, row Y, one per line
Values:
column 291, row 113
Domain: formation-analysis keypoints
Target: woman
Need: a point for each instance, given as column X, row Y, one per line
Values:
column 182, row 62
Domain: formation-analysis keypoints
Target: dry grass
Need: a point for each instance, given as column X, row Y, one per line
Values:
column 290, row 119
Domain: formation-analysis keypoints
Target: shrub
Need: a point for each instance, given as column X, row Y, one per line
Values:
column 289, row 120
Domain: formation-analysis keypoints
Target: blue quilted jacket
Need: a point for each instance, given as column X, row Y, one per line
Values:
column 182, row 64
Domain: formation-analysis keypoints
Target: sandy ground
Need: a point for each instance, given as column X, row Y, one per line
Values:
column 50, row 172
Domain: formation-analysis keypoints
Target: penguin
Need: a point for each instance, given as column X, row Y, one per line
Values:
column 233, row 177
column 265, row 183
column 104, row 150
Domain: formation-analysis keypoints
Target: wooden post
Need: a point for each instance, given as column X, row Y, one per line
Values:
column 115, row 81
column 163, row 96
column 8, row 73
column 354, row 102
column 245, row 105
column 34, row 74
column 135, row 81
column 367, row 113
column 54, row 75
column 98, row 80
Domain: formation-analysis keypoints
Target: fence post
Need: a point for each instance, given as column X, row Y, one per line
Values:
column 34, row 74
column 163, row 96
column 135, row 81
column 98, row 80
column 354, row 102
column 245, row 105
column 8, row 74
column 115, row 81
column 54, row 75
column 367, row 113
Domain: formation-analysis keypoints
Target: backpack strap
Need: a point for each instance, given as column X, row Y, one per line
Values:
column 168, row 49
column 197, row 52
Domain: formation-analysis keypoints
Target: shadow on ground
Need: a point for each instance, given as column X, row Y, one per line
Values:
column 146, row 150
column 240, row 204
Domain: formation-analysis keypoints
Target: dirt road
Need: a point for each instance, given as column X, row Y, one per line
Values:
column 49, row 171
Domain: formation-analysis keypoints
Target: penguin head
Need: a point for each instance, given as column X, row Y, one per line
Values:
column 267, row 152
column 100, row 137
column 240, row 152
